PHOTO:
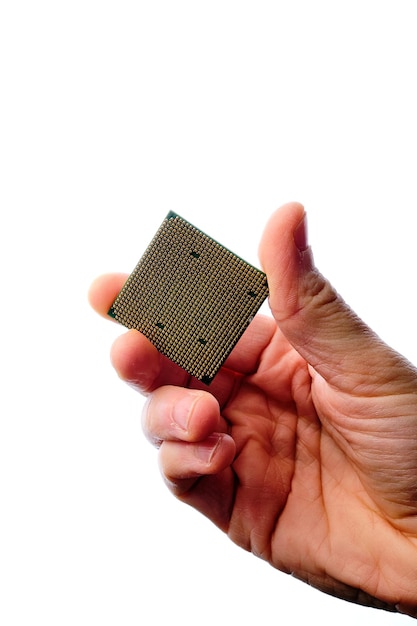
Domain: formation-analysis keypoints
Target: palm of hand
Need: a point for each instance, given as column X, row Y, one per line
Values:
column 307, row 490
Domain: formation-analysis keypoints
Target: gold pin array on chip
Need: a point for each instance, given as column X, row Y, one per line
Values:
column 191, row 297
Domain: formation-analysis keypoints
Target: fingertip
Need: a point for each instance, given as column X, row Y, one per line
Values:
column 281, row 257
column 183, row 463
column 216, row 452
column 205, row 416
column 135, row 360
column 103, row 291
column 281, row 226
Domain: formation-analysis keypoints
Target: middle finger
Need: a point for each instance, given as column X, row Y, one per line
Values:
column 180, row 414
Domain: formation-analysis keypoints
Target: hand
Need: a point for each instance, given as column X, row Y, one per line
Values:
column 304, row 447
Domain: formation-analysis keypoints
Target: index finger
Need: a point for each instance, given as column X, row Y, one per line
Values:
column 104, row 290
column 134, row 358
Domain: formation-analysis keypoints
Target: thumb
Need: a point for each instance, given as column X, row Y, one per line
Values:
column 313, row 316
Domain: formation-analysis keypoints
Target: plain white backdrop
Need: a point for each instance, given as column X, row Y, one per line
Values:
column 112, row 114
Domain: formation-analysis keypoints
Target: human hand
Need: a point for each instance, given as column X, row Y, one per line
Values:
column 304, row 447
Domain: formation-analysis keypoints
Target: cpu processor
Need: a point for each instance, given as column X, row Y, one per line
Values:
column 191, row 297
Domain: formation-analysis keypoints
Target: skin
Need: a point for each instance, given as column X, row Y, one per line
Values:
column 304, row 447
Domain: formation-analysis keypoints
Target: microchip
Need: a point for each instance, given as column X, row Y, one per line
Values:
column 191, row 297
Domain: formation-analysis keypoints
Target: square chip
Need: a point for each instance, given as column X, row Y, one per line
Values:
column 191, row 297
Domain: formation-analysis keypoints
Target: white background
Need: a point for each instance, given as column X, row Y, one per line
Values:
column 112, row 114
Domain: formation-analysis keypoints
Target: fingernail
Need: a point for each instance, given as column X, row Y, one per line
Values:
column 183, row 409
column 301, row 242
column 207, row 449
column 301, row 235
